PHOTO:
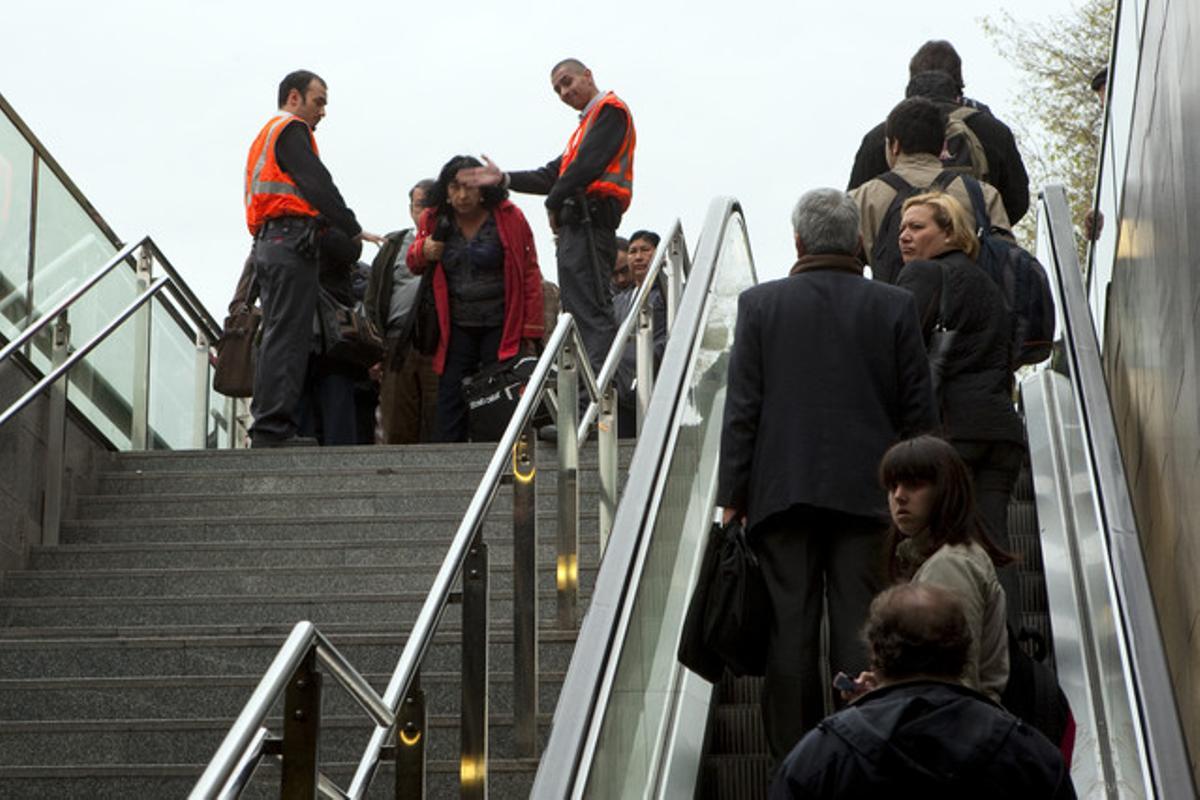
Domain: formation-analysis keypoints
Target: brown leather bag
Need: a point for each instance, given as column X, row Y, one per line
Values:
column 233, row 373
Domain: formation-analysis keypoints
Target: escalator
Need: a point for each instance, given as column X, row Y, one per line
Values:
column 638, row 724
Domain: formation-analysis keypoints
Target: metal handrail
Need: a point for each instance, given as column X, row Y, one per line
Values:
column 53, row 313
column 235, row 759
column 565, row 335
column 1163, row 748
column 590, row 671
column 672, row 245
column 82, row 351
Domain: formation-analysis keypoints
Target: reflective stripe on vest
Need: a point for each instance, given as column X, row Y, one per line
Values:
column 269, row 191
column 617, row 179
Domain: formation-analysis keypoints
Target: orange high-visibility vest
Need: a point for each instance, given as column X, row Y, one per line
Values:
column 271, row 192
column 617, row 178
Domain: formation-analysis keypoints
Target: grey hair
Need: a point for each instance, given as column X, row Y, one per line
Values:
column 826, row 221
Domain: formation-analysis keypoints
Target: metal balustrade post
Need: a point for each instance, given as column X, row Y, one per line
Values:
column 567, row 560
column 139, row 427
column 645, row 362
column 410, row 744
column 473, row 766
column 301, row 731
column 200, row 395
column 606, row 440
column 56, row 433
column 525, row 600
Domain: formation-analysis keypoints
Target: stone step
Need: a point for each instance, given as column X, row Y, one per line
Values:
column 223, row 696
column 399, row 575
column 299, row 506
column 333, row 458
column 181, row 555
column 130, row 612
column 508, row 779
column 308, row 481
column 180, row 741
column 281, row 528
column 79, row 657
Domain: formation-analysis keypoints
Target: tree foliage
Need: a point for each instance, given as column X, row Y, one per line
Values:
column 1059, row 116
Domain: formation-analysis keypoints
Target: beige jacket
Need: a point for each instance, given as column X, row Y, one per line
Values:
column 874, row 196
column 967, row 569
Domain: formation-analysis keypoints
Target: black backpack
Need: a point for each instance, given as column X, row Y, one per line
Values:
column 1034, row 696
column 885, row 252
column 1023, row 282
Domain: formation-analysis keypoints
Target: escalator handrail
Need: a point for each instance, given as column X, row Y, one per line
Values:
column 575, row 722
column 1164, row 746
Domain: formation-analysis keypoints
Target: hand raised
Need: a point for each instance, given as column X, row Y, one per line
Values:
column 487, row 175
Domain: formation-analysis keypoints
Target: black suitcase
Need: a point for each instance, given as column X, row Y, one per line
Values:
column 492, row 395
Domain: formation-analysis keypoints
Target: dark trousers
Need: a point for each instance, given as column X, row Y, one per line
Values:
column 327, row 407
column 583, row 285
column 287, row 285
column 468, row 351
column 994, row 468
column 408, row 393
column 812, row 558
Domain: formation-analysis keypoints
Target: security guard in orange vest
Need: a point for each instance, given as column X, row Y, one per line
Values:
column 290, row 200
column 587, row 190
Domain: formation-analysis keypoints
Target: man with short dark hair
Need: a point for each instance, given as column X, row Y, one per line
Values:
column 643, row 247
column 588, row 188
column 407, row 382
column 915, row 130
column 918, row 727
column 1006, row 168
column 290, row 201
column 827, row 371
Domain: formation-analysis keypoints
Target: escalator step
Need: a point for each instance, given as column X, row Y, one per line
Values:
column 1023, row 488
column 1033, row 592
column 740, row 690
column 1022, row 519
column 736, row 777
column 1028, row 549
column 738, row 729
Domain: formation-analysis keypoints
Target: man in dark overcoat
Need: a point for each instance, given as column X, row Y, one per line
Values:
column 828, row 370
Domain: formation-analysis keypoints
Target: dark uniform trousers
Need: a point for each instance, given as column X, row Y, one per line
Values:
column 287, row 284
column 583, row 285
column 811, row 557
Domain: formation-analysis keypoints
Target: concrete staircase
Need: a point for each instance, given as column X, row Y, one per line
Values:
column 126, row 652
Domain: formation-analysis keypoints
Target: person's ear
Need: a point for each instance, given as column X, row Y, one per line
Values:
column 801, row 250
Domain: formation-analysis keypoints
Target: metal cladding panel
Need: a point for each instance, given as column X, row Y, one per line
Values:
column 1152, row 336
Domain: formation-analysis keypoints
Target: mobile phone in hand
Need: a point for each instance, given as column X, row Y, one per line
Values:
column 844, row 683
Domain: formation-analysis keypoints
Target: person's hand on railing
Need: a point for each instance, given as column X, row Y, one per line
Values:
column 730, row 514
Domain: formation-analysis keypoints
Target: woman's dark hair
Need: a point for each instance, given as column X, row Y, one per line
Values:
column 953, row 519
column 436, row 198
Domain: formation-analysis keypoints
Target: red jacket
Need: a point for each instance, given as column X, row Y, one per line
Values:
column 522, row 282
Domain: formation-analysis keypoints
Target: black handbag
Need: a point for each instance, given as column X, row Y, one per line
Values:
column 492, row 395
column 423, row 319
column 728, row 621
column 233, row 374
column 346, row 332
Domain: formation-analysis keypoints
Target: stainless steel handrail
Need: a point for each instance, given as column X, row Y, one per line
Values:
column 616, row 581
column 233, row 764
column 83, row 350
column 565, row 334
column 1163, row 748
column 50, row 315
column 673, row 246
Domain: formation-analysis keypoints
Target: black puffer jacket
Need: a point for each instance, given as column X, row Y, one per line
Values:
column 976, row 401
column 924, row 739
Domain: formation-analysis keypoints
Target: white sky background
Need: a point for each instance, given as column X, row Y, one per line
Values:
column 150, row 106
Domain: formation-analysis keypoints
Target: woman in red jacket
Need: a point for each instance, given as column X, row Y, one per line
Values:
column 486, row 284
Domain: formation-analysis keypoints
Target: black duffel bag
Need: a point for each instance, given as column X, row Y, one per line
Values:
column 492, row 395
column 346, row 333
column 728, row 622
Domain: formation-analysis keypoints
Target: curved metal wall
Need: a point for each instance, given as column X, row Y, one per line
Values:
column 1152, row 358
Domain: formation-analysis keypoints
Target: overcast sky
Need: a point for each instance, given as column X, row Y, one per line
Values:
column 150, row 106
